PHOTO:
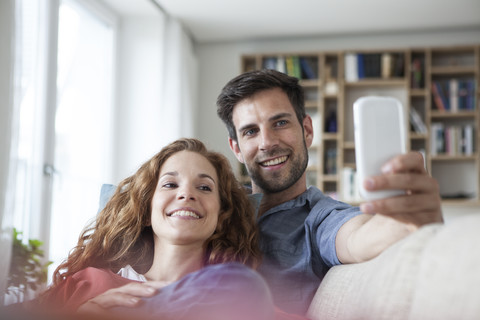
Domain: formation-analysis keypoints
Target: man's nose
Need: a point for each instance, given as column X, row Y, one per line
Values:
column 268, row 140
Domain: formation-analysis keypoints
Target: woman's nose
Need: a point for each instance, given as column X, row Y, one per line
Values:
column 185, row 194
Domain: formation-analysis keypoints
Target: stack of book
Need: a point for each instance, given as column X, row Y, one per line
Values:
column 454, row 94
column 295, row 66
column 452, row 140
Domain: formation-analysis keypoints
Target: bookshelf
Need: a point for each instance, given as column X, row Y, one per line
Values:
column 334, row 80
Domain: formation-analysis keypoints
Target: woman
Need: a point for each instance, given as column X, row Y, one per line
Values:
column 183, row 224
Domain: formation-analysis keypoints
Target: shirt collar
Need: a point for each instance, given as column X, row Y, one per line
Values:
column 309, row 196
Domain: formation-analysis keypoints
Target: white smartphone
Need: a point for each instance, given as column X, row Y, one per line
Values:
column 379, row 136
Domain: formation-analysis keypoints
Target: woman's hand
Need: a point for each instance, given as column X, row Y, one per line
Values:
column 128, row 295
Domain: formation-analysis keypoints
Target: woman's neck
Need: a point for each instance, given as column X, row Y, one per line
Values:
column 174, row 262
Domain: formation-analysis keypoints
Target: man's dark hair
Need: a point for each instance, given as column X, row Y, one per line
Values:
column 247, row 84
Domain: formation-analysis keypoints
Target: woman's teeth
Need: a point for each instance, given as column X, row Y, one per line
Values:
column 183, row 213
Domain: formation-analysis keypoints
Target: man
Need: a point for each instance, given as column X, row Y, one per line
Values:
column 303, row 232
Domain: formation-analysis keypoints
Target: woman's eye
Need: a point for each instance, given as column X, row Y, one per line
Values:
column 205, row 188
column 169, row 185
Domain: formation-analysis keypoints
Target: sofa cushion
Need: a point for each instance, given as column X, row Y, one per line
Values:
column 448, row 282
column 432, row 274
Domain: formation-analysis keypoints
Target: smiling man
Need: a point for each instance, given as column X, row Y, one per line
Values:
column 303, row 232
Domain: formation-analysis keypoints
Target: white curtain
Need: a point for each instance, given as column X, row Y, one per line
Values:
column 7, row 134
column 180, row 78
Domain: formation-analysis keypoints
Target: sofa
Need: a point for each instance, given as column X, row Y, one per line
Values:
column 433, row 273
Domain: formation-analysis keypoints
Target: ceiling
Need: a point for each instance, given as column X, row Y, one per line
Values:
column 227, row 20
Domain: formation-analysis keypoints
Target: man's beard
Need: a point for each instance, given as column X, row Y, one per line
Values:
column 276, row 183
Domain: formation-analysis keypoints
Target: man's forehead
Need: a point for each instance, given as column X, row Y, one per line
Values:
column 265, row 104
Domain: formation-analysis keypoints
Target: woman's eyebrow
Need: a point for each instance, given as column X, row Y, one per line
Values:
column 204, row 175
column 172, row 173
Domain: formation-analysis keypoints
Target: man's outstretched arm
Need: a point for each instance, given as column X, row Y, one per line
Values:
column 388, row 220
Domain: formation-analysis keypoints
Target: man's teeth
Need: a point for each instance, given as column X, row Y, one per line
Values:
column 275, row 161
column 183, row 213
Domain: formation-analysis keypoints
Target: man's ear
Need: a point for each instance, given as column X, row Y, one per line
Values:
column 235, row 149
column 308, row 130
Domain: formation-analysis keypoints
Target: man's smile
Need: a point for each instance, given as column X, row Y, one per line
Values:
column 274, row 162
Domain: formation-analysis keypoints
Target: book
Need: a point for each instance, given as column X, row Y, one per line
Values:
column 270, row 63
column 331, row 161
column 417, row 122
column 289, row 66
column 437, row 141
column 351, row 67
column 453, row 93
column 387, row 65
column 399, row 65
column 372, row 65
column 469, row 140
column 436, row 96
column 297, row 73
column 360, row 66
column 417, row 76
column 350, row 190
column 281, row 64
column 308, row 68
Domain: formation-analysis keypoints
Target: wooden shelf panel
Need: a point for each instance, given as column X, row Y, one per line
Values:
column 329, row 136
column 377, row 82
column 330, row 177
column 452, row 70
column 418, row 136
column 311, row 104
column 310, row 83
column 449, row 114
column 447, row 157
column 418, row 92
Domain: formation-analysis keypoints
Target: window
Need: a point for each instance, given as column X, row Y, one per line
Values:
column 61, row 167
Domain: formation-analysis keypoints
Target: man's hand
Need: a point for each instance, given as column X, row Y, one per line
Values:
column 128, row 295
column 421, row 203
column 389, row 220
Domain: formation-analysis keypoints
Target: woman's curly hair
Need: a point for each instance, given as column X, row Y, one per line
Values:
column 122, row 235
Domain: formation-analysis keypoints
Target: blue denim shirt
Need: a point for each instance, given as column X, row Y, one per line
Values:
column 297, row 239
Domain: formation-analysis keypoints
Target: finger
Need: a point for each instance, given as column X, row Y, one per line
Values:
column 116, row 299
column 409, row 162
column 127, row 296
column 139, row 289
column 414, row 183
column 405, row 204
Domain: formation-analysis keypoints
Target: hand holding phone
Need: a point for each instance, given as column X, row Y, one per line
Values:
column 379, row 136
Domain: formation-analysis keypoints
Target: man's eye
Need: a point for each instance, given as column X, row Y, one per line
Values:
column 249, row 132
column 281, row 123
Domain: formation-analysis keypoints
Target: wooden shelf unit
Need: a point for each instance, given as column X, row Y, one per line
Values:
column 329, row 95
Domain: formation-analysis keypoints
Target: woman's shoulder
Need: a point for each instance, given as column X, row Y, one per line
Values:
column 82, row 286
column 97, row 277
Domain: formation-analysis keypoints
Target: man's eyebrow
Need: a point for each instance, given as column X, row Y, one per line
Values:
column 280, row 116
column 271, row 119
column 247, row 126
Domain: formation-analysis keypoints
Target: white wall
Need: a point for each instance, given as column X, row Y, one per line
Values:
column 139, row 93
column 219, row 62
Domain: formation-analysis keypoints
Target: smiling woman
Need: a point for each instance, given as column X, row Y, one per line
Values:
column 181, row 223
